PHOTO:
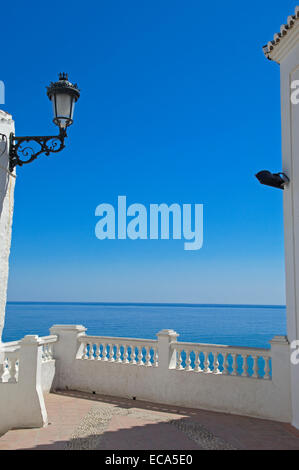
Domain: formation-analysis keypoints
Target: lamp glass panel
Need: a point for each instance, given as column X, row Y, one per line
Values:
column 73, row 107
column 62, row 107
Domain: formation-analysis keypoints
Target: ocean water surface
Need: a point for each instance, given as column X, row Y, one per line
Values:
column 235, row 325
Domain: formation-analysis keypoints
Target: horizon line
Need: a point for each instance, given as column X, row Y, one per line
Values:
column 158, row 304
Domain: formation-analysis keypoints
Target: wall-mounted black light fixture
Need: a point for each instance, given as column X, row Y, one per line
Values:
column 276, row 180
column 63, row 95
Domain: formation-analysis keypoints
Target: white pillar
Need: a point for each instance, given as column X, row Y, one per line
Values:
column 65, row 351
column 166, row 355
column 281, row 373
column 34, row 412
column 7, row 183
column 285, row 51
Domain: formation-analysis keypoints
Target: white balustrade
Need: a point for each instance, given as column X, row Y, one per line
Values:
column 120, row 350
column 223, row 360
column 244, row 362
column 46, row 343
column 9, row 368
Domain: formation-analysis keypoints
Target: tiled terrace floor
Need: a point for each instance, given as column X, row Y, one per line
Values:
column 83, row 421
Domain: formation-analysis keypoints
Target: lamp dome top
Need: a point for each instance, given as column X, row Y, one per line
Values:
column 63, row 85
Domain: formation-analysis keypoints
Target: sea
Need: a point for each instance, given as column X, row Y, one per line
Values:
column 235, row 325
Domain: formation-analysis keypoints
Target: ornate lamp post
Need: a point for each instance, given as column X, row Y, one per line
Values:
column 63, row 95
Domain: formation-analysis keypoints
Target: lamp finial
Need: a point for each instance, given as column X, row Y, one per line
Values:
column 63, row 76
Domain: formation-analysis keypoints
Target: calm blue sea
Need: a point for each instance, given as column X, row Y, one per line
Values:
column 236, row 325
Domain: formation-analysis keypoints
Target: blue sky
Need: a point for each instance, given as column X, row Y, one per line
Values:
column 178, row 104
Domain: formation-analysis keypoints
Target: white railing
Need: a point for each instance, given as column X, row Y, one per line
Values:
column 47, row 347
column 206, row 358
column 27, row 370
column 9, row 367
column 141, row 352
column 225, row 360
column 241, row 380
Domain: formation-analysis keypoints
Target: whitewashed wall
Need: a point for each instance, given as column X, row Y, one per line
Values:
column 249, row 396
column 21, row 389
column 286, row 53
column 7, row 184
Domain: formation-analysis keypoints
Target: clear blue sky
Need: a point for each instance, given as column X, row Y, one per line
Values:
column 178, row 104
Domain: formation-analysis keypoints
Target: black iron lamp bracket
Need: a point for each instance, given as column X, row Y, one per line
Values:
column 20, row 153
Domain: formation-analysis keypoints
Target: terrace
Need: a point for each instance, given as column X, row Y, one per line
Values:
column 94, row 392
column 160, row 374
column 81, row 421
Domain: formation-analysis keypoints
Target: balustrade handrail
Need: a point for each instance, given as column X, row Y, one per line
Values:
column 108, row 353
column 219, row 347
column 115, row 340
column 48, row 339
column 10, row 347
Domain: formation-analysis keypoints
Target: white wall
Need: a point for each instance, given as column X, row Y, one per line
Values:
column 237, row 395
column 7, row 184
column 47, row 375
column 21, row 402
column 289, row 71
column 164, row 384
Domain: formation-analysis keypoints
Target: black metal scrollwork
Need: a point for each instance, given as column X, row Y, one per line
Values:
column 21, row 154
column 3, row 140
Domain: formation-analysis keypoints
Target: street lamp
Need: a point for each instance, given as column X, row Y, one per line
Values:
column 63, row 95
column 276, row 180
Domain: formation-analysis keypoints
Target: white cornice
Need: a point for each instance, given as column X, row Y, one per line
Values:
column 283, row 42
column 4, row 116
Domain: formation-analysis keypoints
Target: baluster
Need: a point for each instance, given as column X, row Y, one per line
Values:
column 148, row 357
column 234, row 364
column 216, row 363
column 12, row 370
column 126, row 354
column 98, row 351
column 111, row 353
column 188, row 361
column 197, row 367
column 50, row 350
column 17, row 370
column 267, row 369
column 133, row 355
column 84, row 355
column 2, row 369
column 255, row 367
column 45, row 353
column 140, row 356
column 207, row 369
column 225, row 364
column 104, row 352
column 156, row 357
column 5, row 377
column 118, row 353
column 179, row 360
column 244, row 365
column 91, row 352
